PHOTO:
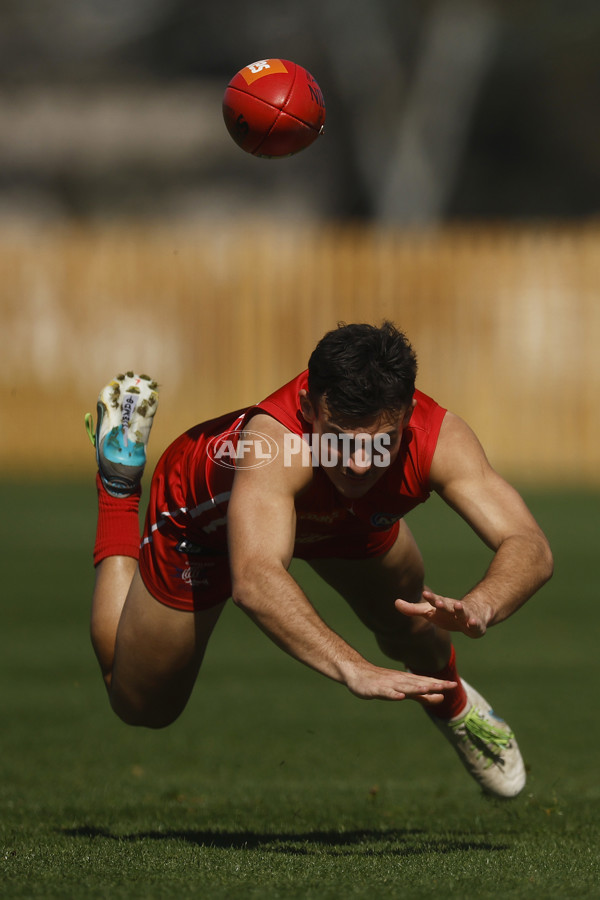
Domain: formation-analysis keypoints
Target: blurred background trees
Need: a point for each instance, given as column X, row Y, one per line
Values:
column 437, row 109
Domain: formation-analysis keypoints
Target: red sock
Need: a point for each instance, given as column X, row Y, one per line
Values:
column 454, row 701
column 118, row 529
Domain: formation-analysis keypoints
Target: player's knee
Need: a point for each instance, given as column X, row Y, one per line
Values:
column 399, row 643
column 142, row 714
column 411, row 586
column 395, row 646
column 144, row 718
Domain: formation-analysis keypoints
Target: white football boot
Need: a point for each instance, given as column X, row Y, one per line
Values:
column 126, row 408
column 485, row 745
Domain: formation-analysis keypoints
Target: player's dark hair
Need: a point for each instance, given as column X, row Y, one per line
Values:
column 362, row 371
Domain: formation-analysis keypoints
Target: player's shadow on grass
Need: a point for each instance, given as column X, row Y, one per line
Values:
column 401, row 841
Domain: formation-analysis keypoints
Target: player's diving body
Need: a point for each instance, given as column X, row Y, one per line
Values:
column 353, row 447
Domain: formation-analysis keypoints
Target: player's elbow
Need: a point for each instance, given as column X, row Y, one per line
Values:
column 242, row 594
column 544, row 559
column 245, row 590
column 252, row 582
column 547, row 562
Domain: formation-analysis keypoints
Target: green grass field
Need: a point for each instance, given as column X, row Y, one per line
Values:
column 276, row 783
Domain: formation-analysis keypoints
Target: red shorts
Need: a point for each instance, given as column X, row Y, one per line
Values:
column 183, row 559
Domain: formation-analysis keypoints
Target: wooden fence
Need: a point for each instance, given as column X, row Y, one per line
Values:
column 505, row 321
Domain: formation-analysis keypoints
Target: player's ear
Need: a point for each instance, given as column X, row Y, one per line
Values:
column 308, row 410
column 408, row 413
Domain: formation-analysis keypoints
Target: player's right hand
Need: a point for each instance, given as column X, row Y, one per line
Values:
column 374, row 683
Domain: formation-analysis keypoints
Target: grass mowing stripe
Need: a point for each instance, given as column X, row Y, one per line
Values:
column 275, row 782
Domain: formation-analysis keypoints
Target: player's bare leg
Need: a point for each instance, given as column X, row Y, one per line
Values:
column 149, row 654
column 371, row 586
column 114, row 575
column 158, row 653
column 125, row 411
column 485, row 744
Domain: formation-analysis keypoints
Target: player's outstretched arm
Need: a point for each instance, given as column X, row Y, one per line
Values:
column 522, row 561
column 261, row 531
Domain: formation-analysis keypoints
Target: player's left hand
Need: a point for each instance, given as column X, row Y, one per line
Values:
column 469, row 615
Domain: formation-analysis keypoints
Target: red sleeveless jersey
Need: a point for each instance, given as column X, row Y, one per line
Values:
column 184, row 557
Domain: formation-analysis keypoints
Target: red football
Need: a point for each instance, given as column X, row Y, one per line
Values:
column 273, row 107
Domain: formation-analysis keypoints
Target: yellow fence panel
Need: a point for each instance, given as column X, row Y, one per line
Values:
column 505, row 321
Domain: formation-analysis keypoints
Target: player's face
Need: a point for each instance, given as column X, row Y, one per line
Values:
column 356, row 456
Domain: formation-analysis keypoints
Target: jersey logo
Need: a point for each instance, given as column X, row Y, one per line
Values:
column 195, row 576
column 385, row 520
column 190, row 549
